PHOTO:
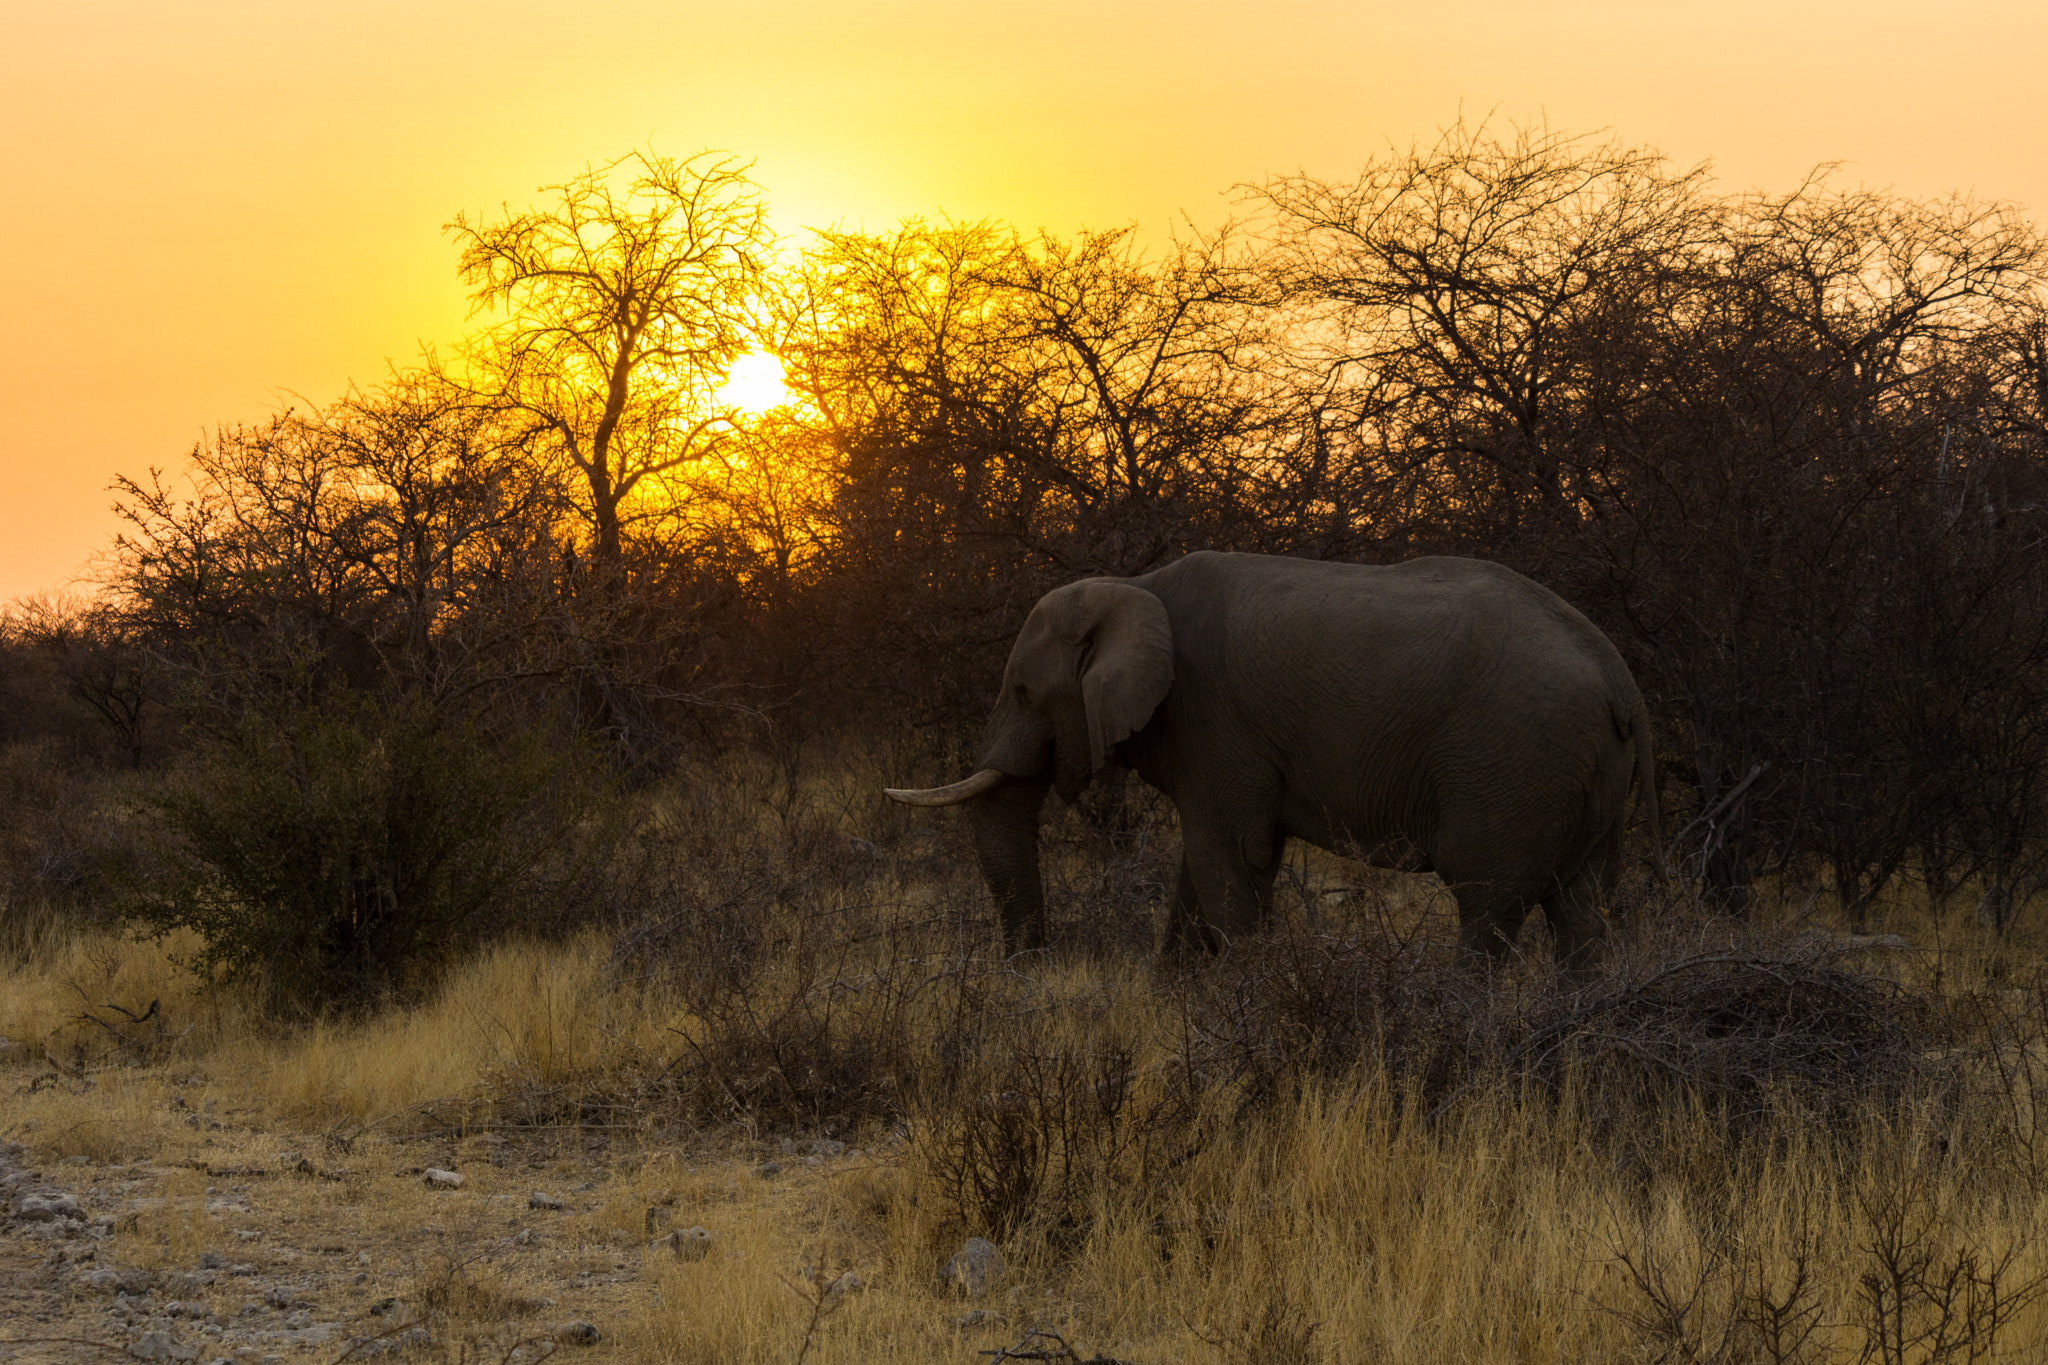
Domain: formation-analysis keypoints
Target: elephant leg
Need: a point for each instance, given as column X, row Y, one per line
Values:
column 1231, row 879
column 1489, row 919
column 1189, row 933
column 1578, row 931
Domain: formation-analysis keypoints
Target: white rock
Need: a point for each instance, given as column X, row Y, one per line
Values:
column 43, row 1208
column 440, row 1179
column 161, row 1346
column 688, row 1244
column 578, row 1333
column 973, row 1268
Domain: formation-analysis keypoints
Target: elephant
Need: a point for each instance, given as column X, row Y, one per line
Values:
column 1441, row 714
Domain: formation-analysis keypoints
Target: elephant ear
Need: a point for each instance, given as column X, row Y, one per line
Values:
column 1127, row 665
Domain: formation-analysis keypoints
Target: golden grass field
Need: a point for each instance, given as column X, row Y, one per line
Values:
column 1342, row 1215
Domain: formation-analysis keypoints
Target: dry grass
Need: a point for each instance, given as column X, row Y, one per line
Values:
column 1232, row 1165
column 1339, row 1229
column 175, row 1230
column 540, row 1011
column 72, row 997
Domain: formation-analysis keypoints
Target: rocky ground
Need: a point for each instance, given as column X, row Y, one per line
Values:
column 513, row 1245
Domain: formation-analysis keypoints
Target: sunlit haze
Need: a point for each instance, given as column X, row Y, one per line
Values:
column 755, row 385
column 216, row 207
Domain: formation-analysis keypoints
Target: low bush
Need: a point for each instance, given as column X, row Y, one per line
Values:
column 54, row 835
column 1704, row 1011
column 1033, row 1133
column 342, row 848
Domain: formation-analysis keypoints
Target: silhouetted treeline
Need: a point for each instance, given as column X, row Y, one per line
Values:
column 1788, row 450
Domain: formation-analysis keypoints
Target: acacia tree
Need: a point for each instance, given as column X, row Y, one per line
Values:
column 101, row 662
column 892, row 340
column 1156, row 373
column 380, row 539
column 1087, row 403
column 1777, row 434
column 1006, row 411
column 1445, row 295
column 623, row 305
column 1722, row 424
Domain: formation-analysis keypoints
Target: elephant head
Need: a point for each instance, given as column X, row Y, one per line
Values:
column 1091, row 664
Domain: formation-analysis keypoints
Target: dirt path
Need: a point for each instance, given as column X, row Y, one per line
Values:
column 262, row 1254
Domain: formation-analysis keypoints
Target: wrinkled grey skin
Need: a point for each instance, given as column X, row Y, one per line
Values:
column 1443, row 714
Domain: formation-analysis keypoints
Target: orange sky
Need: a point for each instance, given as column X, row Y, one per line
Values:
column 212, row 204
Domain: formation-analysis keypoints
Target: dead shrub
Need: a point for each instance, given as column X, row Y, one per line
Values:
column 1028, row 1129
column 1743, row 1291
column 796, row 1005
column 1725, row 1016
column 1273, row 1333
column 823, row 1042
column 1906, row 1256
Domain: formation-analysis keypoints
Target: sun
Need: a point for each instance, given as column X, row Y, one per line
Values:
column 755, row 384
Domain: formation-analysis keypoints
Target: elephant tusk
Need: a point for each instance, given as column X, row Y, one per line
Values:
column 948, row 796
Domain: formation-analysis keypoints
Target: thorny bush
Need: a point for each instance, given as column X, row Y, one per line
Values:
column 1033, row 1122
column 336, row 849
column 797, row 1004
column 1724, row 1015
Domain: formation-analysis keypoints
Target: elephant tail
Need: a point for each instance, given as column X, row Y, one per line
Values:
column 1646, row 780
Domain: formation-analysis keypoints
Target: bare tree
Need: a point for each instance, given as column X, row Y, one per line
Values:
column 1005, row 411
column 1156, row 377
column 394, row 537
column 623, row 305
column 1444, row 295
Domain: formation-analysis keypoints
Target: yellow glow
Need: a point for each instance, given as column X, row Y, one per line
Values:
column 240, row 202
column 754, row 385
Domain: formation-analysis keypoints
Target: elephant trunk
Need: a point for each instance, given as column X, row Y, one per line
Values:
column 1006, row 844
